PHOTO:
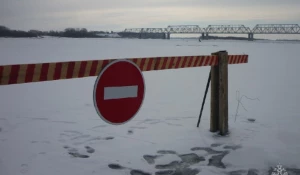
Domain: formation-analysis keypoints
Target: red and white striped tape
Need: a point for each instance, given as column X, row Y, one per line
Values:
column 26, row 73
column 237, row 59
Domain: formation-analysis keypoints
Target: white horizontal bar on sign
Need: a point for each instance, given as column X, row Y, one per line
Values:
column 120, row 92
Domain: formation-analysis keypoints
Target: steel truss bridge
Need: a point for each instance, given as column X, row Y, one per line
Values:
column 221, row 29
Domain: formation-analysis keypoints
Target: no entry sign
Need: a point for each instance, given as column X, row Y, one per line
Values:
column 119, row 92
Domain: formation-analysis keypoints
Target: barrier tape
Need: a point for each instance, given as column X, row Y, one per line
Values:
column 26, row 73
column 237, row 59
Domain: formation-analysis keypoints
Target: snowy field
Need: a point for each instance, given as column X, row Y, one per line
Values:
column 52, row 127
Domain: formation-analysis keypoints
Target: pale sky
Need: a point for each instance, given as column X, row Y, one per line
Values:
column 120, row 14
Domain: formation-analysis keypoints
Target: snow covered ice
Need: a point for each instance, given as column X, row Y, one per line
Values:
column 52, row 127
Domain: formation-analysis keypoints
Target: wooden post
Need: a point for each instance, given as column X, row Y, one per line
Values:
column 223, row 92
column 219, row 94
column 214, row 102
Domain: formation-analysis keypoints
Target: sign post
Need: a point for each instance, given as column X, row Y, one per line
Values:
column 119, row 92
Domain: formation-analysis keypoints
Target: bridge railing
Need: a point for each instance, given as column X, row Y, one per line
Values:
column 223, row 29
column 185, row 29
column 228, row 29
column 276, row 29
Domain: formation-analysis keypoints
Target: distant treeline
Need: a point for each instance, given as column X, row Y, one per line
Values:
column 68, row 32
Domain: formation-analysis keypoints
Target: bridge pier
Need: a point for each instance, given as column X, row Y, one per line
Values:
column 250, row 36
column 168, row 35
column 204, row 36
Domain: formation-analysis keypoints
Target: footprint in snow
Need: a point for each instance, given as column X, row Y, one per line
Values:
column 89, row 149
column 130, row 132
column 166, row 152
column 24, row 168
column 108, row 138
column 132, row 171
column 74, row 152
column 151, row 159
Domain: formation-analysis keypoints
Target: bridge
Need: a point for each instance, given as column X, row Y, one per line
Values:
column 214, row 29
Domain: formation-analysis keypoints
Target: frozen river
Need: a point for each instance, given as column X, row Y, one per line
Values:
column 43, row 125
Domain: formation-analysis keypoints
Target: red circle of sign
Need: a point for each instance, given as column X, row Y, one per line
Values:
column 119, row 74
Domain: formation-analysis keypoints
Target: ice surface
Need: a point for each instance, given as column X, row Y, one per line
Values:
column 43, row 125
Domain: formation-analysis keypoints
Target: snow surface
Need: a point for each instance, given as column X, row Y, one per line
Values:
column 48, row 128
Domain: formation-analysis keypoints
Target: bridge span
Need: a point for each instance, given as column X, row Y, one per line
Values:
column 213, row 29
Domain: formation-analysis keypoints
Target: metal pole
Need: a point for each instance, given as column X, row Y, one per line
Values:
column 207, row 86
